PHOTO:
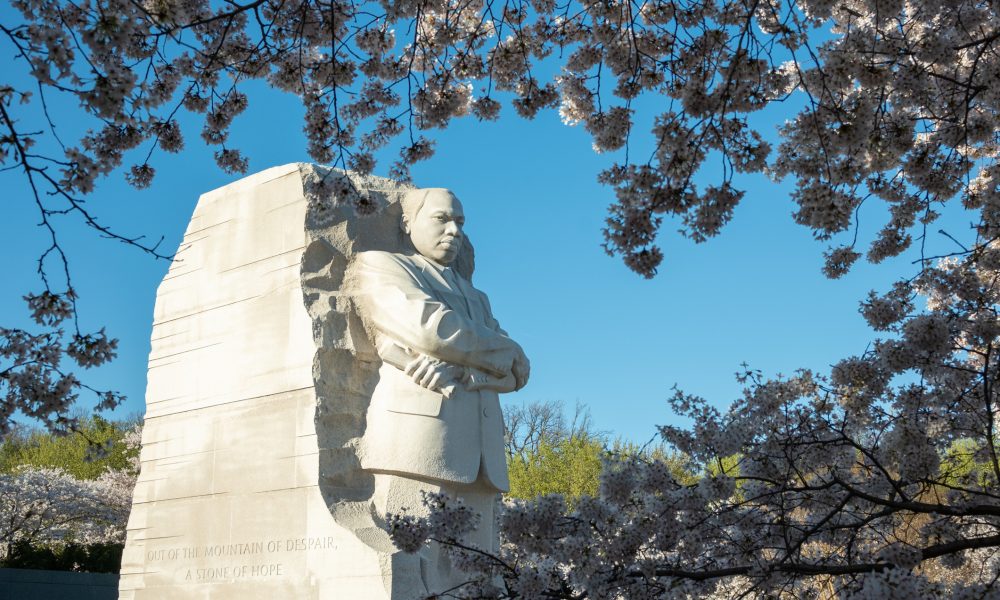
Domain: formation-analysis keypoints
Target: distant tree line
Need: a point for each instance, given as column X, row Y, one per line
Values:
column 551, row 452
column 65, row 499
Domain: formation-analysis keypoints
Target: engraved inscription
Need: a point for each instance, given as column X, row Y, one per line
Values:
column 238, row 560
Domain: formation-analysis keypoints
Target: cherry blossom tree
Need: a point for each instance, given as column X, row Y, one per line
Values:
column 878, row 480
column 898, row 104
column 48, row 506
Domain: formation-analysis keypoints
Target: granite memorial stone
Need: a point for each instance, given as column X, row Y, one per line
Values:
column 319, row 358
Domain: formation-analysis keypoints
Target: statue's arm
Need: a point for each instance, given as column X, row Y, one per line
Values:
column 449, row 375
column 478, row 380
column 491, row 320
column 517, row 378
column 397, row 306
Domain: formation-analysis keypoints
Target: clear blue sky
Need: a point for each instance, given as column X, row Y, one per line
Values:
column 596, row 333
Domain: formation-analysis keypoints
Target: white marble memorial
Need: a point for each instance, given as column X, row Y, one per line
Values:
column 313, row 366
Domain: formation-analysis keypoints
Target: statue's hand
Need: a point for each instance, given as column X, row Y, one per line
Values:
column 432, row 373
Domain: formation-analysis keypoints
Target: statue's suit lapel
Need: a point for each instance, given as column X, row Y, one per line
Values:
column 431, row 277
column 463, row 299
column 476, row 307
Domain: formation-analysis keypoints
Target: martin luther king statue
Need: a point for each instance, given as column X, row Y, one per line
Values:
column 319, row 359
column 434, row 422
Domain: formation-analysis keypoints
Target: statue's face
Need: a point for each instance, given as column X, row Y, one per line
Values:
column 436, row 229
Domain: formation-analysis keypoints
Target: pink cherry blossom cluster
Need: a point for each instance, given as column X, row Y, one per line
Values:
column 877, row 480
column 896, row 103
column 33, row 379
column 48, row 506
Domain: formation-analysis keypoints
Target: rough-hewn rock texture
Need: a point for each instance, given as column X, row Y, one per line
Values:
column 259, row 378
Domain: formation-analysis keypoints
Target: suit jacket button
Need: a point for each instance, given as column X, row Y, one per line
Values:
column 486, row 412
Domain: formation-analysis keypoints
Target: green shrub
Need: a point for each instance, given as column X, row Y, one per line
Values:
column 73, row 453
column 570, row 466
column 91, row 558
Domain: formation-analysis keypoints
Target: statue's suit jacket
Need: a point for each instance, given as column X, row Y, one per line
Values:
column 412, row 430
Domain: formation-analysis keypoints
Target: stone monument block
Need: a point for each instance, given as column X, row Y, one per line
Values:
column 228, row 503
column 295, row 338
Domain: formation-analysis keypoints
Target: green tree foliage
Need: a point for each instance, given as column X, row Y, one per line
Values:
column 550, row 454
column 569, row 465
column 966, row 461
column 85, row 454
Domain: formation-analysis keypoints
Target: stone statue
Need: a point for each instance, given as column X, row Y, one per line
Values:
column 434, row 422
column 313, row 367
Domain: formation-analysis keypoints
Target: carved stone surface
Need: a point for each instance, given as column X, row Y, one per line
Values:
column 266, row 464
